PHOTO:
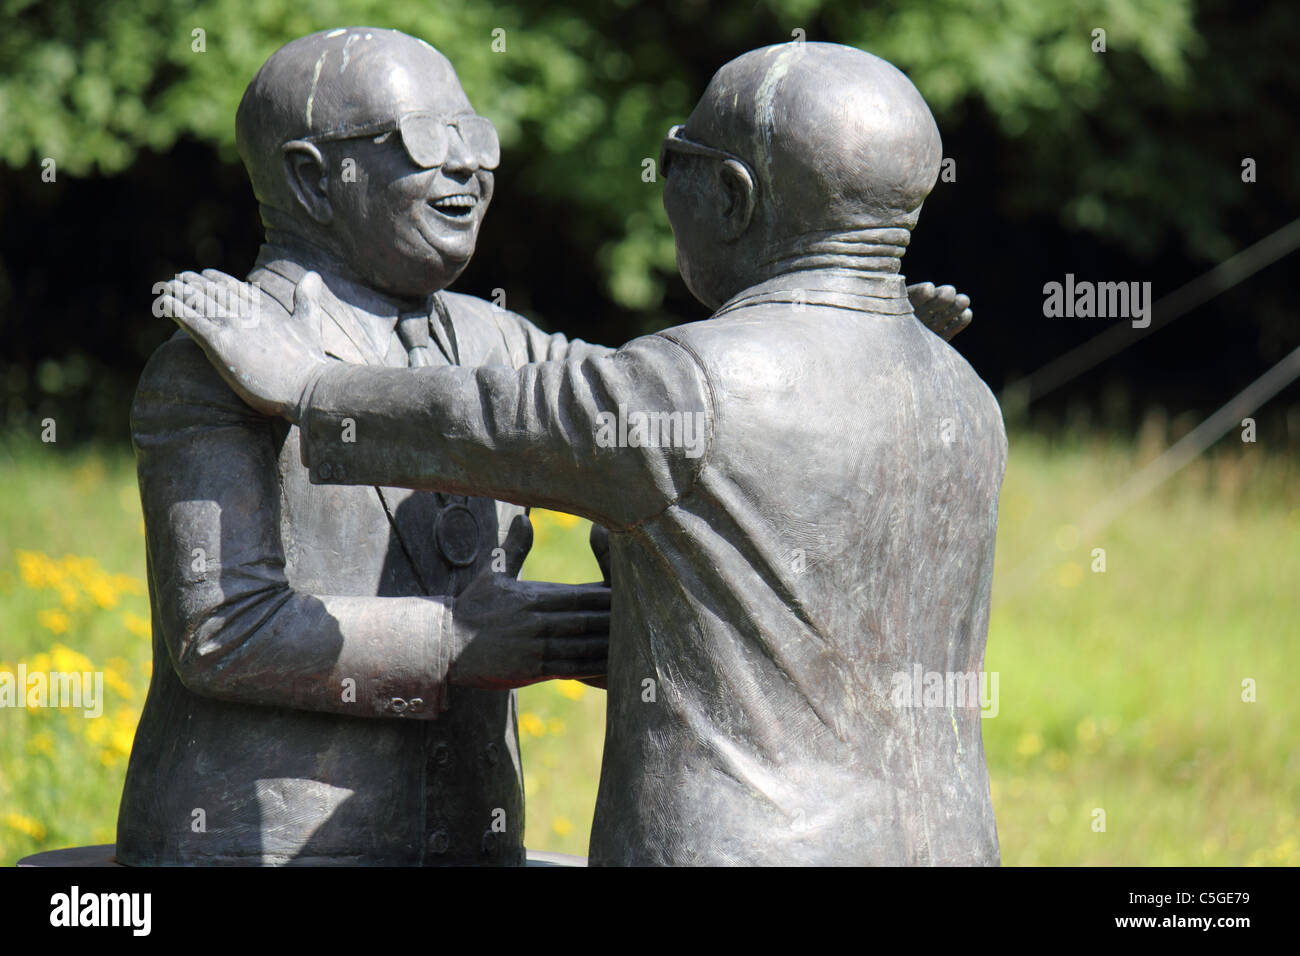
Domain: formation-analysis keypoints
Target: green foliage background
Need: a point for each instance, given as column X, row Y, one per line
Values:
column 583, row 91
column 1117, row 164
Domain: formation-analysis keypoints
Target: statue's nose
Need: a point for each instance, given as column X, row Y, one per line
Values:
column 460, row 158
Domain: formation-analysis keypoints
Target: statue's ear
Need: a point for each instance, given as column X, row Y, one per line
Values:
column 304, row 170
column 740, row 190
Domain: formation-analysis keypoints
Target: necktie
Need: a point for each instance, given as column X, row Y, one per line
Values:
column 456, row 530
column 413, row 330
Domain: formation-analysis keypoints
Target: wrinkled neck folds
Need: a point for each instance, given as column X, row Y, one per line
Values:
column 872, row 250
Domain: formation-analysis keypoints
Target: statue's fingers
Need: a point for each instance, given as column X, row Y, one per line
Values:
column 217, row 277
column 574, row 624
column 957, row 324
column 232, row 296
column 599, row 541
column 518, row 542
column 198, row 293
column 181, row 303
column 577, row 648
column 552, row 598
column 921, row 296
column 191, row 320
column 942, row 306
column 174, row 307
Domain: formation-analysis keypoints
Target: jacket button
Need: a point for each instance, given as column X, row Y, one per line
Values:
column 491, row 755
column 457, row 535
column 398, row 705
column 438, row 842
column 417, row 704
column 441, row 755
column 324, row 470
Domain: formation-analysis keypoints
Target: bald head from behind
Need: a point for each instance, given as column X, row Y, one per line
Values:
column 323, row 130
column 828, row 143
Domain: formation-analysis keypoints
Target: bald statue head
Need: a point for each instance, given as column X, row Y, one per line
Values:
column 798, row 155
column 362, row 143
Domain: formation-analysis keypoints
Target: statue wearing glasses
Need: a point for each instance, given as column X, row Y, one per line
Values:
column 833, row 531
column 333, row 666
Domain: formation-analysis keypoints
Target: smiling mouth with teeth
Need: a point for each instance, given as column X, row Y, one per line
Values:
column 456, row 206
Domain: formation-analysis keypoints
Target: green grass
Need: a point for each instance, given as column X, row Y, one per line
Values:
column 1119, row 691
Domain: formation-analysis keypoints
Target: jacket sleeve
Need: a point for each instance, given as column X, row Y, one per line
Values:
column 233, row 626
column 616, row 437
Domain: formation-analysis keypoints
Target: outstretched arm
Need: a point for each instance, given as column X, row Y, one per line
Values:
column 613, row 436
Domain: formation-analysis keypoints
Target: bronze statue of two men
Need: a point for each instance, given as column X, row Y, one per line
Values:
column 800, row 496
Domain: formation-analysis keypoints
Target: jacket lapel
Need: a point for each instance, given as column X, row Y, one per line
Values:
column 338, row 333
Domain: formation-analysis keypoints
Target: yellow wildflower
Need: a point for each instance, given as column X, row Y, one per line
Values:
column 543, row 519
column 83, row 569
column 37, row 570
column 122, row 738
column 113, row 678
column 32, row 828
column 66, row 660
column 137, row 625
column 102, row 592
column 572, row 689
column 1286, row 850
column 41, row 743
column 97, row 730
column 1029, row 744
column 70, row 596
column 563, row 826
column 531, row 725
column 128, row 585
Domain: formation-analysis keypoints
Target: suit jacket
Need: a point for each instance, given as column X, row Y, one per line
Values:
column 833, row 530
column 299, row 710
